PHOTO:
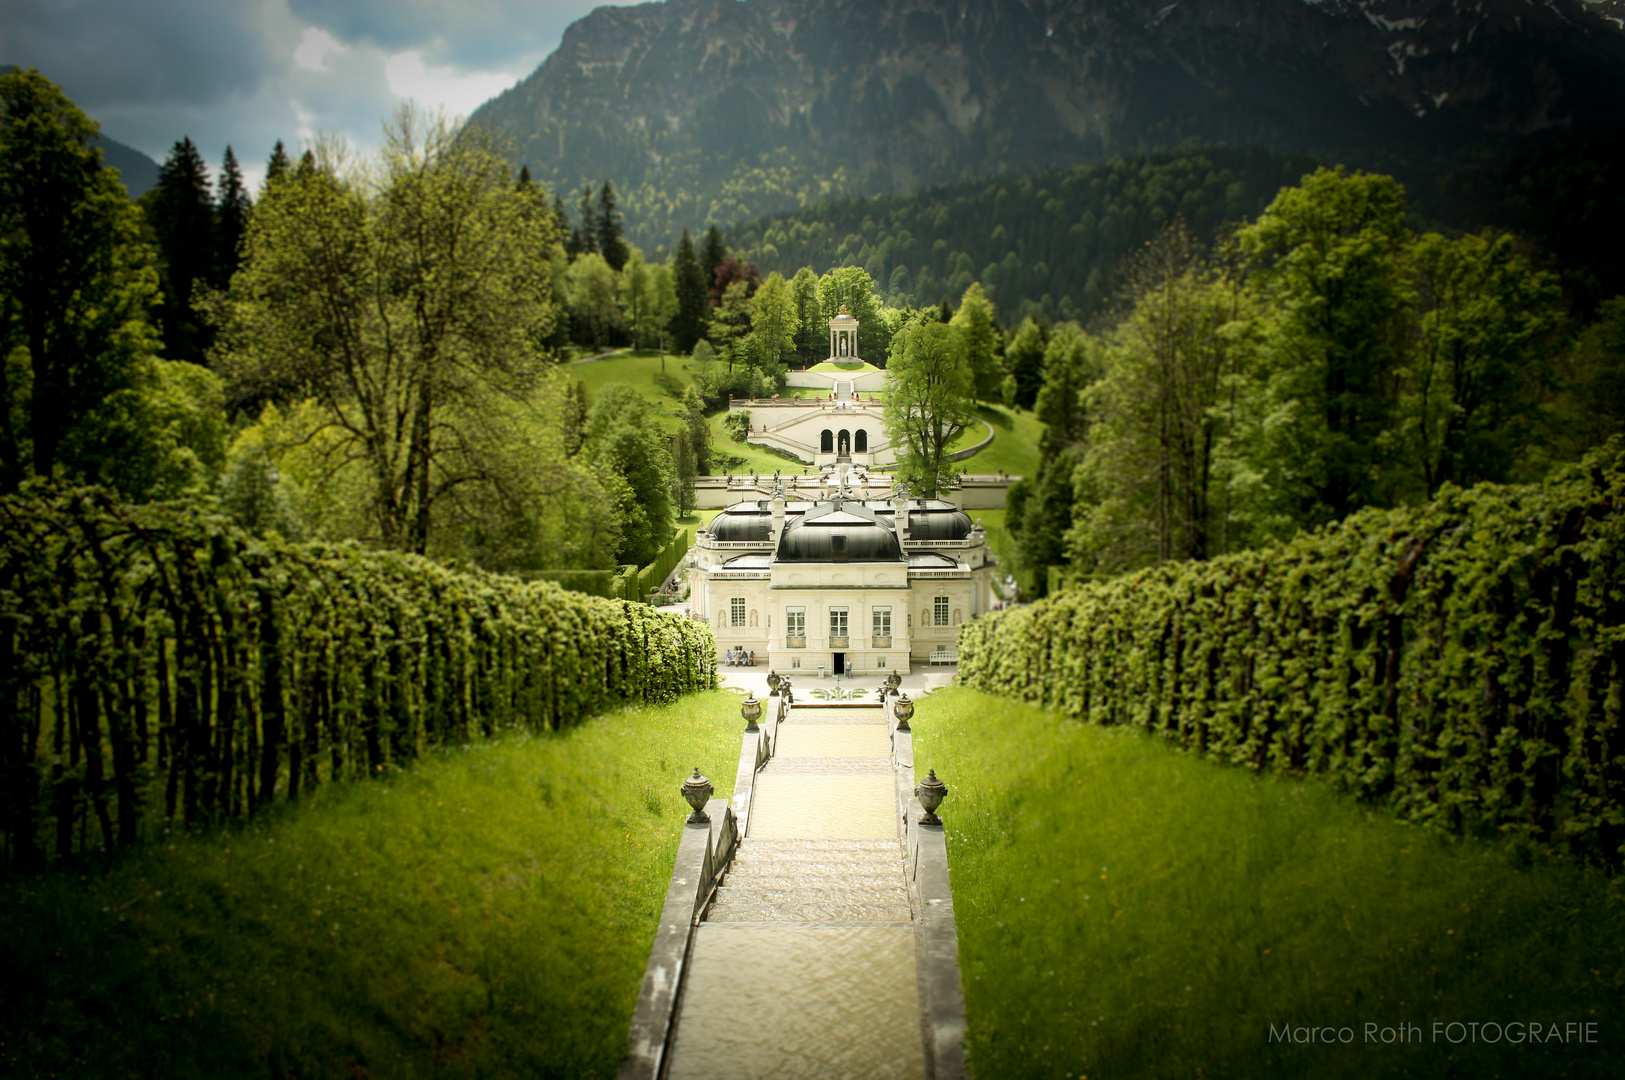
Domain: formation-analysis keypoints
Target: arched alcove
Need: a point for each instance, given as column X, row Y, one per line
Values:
column 843, row 441
column 826, row 442
column 860, row 442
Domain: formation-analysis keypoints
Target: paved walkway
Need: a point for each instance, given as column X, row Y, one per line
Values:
column 805, row 965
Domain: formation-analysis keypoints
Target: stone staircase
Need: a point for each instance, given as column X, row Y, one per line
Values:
column 801, row 881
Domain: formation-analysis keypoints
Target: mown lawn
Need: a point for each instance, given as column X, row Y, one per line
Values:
column 1127, row 909
column 486, row 913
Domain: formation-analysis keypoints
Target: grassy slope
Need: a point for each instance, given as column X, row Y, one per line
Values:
column 487, row 913
column 827, row 367
column 1126, row 909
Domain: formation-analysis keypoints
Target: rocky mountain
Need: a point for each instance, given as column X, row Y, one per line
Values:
column 725, row 109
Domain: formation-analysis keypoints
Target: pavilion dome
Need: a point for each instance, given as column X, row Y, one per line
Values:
column 839, row 532
column 938, row 520
column 743, row 522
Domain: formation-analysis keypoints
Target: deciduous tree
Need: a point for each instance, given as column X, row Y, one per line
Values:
column 404, row 300
column 930, row 401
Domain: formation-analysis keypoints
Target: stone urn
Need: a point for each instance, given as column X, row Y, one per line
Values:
column 698, row 790
column 930, row 792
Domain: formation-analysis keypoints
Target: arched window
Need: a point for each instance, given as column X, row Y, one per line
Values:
column 826, row 442
column 860, row 442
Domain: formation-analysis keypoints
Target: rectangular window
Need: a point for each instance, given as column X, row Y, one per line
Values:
column 939, row 611
column 837, row 624
column 882, row 622
column 736, row 611
column 795, row 627
column 837, row 546
column 795, row 661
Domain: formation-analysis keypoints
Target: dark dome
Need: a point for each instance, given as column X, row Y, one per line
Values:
column 839, row 533
column 737, row 525
column 938, row 521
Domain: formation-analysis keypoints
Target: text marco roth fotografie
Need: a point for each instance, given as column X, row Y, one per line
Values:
column 1451, row 1031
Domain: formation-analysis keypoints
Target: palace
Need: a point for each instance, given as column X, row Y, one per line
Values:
column 843, row 584
column 839, row 579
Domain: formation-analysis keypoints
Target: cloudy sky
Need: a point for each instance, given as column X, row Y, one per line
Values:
column 248, row 72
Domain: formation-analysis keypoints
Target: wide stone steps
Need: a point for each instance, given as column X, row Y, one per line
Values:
column 813, row 881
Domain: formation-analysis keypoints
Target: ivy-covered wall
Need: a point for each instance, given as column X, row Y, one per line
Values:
column 1461, row 661
column 156, row 662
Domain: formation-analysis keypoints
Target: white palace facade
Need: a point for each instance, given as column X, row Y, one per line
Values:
column 842, row 583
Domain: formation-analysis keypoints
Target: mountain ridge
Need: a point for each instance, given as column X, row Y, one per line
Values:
column 728, row 109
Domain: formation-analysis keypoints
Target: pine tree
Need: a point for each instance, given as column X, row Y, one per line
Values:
column 525, row 182
column 277, row 167
column 692, row 304
column 182, row 214
column 232, row 220
column 607, row 225
column 712, row 252
column 583, row 237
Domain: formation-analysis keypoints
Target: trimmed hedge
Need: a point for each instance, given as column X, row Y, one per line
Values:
column 651, row 576
column 1462, row 661
column 157, row 653
column 591, row 582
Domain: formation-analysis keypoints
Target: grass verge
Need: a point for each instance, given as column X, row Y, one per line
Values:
column 1126, row 909
column 487, row 913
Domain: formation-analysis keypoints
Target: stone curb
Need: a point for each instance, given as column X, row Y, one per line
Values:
column 703, row 854
column 936, row 943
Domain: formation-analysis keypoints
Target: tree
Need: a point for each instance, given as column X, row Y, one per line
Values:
column 626, row 443
column 584, row 236
column 773, row 323
column 75, row 285
column 699, row 432
column 182, row 216
column 979, row 336
column 689, row 283
column 662, row 306
column 929, row 402
column 1466, row 404
column 712, row 252
column 730, row 324
column 607, row 229
column 1329, row 268
column 409, row 307
column 635, row 299
column 230, row 222
column 683, row 471
column 595, row 300
column 1598, row 377
column 1147, row 476
column 276, row 168
column 812, row 334
column 1024, row 360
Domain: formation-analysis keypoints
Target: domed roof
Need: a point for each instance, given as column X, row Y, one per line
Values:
column 839, row 532
column 938, row 520
column 742, row 522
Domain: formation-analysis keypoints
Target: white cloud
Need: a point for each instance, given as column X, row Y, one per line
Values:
column 457, row 93
column 314, row 47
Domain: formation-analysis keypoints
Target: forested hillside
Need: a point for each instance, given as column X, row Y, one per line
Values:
column 1046, row 244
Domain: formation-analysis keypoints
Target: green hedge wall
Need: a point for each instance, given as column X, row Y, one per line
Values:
column 1462, row 661
column 591, row 582
column 650, row 577
column 158, row 659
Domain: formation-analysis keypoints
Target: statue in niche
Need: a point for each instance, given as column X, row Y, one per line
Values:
column 957, row 619
column 843, row 346
column 753, row 617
